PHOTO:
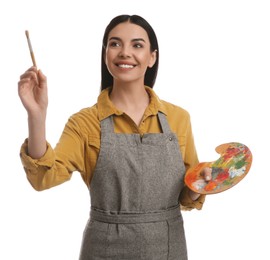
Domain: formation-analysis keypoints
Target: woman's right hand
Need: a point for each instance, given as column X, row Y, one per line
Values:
column 32, row 89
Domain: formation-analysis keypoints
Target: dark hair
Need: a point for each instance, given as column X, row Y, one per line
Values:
column 151, row 73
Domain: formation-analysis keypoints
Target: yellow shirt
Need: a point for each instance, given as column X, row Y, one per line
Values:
column 79, row 144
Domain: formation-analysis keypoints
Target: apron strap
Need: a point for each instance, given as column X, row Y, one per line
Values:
column 164, row 123
column 107, row 125
column 134, row 218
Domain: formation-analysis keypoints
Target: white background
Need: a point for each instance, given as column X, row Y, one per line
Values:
column 214, row 62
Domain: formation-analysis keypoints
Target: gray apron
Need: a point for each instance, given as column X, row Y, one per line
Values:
column 135, row 212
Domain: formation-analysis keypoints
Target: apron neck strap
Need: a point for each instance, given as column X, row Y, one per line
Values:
column 164, row 123
column 107, row 125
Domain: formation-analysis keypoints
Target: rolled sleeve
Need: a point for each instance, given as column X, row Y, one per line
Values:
column 43, row 173
column 47, row 160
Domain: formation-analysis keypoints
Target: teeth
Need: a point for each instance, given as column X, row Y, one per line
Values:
column 125, row 66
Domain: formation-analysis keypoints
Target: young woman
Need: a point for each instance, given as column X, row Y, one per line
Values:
column 131, row 148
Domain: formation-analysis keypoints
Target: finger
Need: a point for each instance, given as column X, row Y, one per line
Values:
column 208, row 173
column 23, row 81
column 31, row 69
column 42, row 78
column 23, row 86
column 31, row 76
column 29, row 73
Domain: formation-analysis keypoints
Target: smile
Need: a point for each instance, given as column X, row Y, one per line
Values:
column 126, row 66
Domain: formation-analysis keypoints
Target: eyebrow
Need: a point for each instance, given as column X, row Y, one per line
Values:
column 133, row 40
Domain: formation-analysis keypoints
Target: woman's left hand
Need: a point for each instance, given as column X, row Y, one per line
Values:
column 207, row 174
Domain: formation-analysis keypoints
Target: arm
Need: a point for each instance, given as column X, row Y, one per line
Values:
column 32, row 89
column 56, row 165
column 47, row 167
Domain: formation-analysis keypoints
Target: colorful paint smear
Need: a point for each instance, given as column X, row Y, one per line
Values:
column 232, row 166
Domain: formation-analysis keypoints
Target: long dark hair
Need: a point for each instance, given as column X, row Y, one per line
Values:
column 151, row 73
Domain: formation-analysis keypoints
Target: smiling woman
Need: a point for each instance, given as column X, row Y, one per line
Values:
column 149, row 38
column 131, row 148
column 126, row 52
column 128, row 57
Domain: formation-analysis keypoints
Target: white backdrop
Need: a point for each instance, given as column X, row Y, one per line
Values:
column 214, row 62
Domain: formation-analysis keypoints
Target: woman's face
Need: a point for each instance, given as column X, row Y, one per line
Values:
column 128, row 53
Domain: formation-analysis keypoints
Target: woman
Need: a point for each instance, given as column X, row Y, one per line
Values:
column 131, row 148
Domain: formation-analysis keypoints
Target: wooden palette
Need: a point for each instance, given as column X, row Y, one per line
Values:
column 232, row 166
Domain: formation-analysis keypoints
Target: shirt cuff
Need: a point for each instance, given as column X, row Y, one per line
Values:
column 187, row 203
column 47, row 160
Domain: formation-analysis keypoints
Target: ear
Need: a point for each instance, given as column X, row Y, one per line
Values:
column 153, row 59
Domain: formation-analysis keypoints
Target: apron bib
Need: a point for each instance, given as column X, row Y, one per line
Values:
column 135, row 212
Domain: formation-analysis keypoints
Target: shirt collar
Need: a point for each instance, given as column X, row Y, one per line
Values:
column 106, row 108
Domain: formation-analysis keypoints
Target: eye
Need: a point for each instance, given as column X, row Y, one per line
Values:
column 114, row 44
column 138, row 45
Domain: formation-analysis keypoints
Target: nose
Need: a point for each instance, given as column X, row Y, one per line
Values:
column 125, row 52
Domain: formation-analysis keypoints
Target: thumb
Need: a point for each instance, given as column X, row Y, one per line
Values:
column 208, row 173
column 42, row 78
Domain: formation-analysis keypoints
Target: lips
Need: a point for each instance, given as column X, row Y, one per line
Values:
column 125, row 66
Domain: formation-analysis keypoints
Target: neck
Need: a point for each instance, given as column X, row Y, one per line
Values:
column 132, row 100
column 129, row 96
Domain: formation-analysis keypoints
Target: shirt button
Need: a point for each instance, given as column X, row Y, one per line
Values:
column 170, row 138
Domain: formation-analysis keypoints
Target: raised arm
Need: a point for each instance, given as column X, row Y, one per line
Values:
column 32, row 89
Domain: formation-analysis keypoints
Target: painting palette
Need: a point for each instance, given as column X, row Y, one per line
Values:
column 232, row 166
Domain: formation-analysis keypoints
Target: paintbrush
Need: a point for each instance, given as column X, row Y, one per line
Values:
column 30, row 48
